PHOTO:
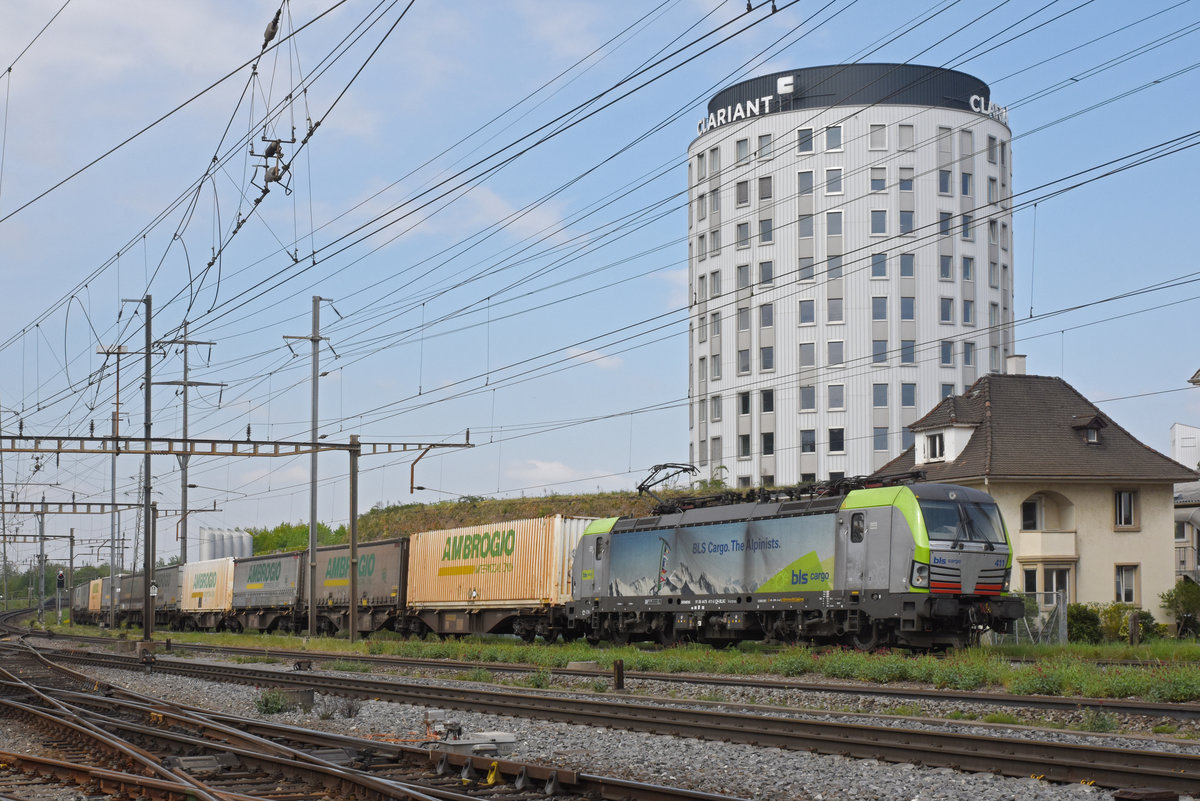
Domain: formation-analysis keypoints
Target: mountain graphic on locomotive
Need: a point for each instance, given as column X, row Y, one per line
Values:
column 867, row 563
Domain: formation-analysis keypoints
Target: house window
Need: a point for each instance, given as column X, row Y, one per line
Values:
column 743, row 446
column 879, row 348
column 700, row 173
column 993, row 275
column 804, row 183
column 908, row 265
column 879, row 265
column 837, row 440
column 879, row 438
column 968, row 354
column 768, row 443
column 834, row 310
column 833, row 137
column 947, row 390
column 743, row 276
column 743, row 150
column 764, row 146
column 968, row 312
column 835, row 352
column 879, row 308
column 743, row 403
column 837, row 396
column 765, row 232
column 701, row 206
column 991, row 149
column 944, row 177
column 907, row 137
column 808, row 399
column 947, row 349
column 1127, row 584
column 804, row 140
column 714, row 408
column 804, row 226
column 908, row 308
column 906, row 222
column 702, row 328
column 702, row 245
column 945, row 223
column 743, row 318
column 833, row 182
column 1030, row 574
column 716, row 366
column 968, row 268
column 714, row 283
column 833, row 223
column 743, row 193
column 908, row 351
column 877, row 137
column 806, row 272
column 768, row 401
column 1125, row 509
column 935, row 445
column 968, row 184
column 766, row 315
column 968, row 231
column 946, row 310
column 993, row 191
column 764, row 188
column 879, row 396
column 714, row 161
column 702, row 369
column 878, row 221
column 743, row 361
column 808, row 441
column 906, row 179
column 808, row 354
column 716, row 450
column 833, row 267
column 714, row 240
column 908, row 395
column 878, row 179
column 743, row 235
column 808, row 313
column 945, row 268
column 1031, row 515
column 714, row 200
column 766, row 358
column 1092, row 436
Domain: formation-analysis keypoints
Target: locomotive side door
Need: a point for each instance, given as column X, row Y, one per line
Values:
column 852, row 532
column 591, row 564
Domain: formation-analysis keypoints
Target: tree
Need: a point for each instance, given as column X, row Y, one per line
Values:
column 294, row 537
column 1183, row 602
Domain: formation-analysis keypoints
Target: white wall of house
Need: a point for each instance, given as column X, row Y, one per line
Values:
column 1077, row 530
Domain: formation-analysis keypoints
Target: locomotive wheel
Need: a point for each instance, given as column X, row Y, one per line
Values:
column 666, row 637
column 866, row 639
column 618, row 638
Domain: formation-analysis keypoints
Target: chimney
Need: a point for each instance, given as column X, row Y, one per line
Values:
column 1015, row 364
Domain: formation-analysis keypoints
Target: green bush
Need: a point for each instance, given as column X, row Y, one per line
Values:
column 1174, row 685
column 795, row 663
column 1037, row 680
column 1183, row 602
column 350, row 666
column 271, row 702
column 539, row 679
column 1083, row 624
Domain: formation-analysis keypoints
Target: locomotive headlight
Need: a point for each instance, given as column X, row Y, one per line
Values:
column 919, row 576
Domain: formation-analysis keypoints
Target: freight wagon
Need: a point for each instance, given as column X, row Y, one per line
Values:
column 381, row 579
column 206, row 595
column 267, row 592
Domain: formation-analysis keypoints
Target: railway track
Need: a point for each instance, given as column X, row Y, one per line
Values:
column 1011, row 756
column 110, row 741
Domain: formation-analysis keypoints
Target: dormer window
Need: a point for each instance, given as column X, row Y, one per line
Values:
column 1093, row 436
column 935, row 446
column 1090, row 428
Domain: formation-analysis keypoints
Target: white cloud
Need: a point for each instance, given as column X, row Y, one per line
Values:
column 677, row 293
column 534, row 474
column 595, row 357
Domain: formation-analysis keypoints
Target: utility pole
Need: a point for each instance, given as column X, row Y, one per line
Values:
column 183, row 457
column 115, row 521
column 41, row 520
column 148, row 556
column 315, row 338
column 71, row 578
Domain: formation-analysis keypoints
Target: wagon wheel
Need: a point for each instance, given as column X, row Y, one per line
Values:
column 527, row 631
column 618, row 638
column 666, row 636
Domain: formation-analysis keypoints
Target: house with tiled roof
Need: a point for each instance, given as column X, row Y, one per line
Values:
column 1090, row 509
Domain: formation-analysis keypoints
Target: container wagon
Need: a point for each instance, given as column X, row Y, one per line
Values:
column 381, row 580
column 267, row 592
column 206, row 596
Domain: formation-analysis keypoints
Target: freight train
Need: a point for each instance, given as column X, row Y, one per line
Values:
column 912, row 565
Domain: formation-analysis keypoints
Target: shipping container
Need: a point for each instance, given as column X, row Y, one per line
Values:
column 167, row 579
column 267, row 581
column 207, row 586
column 379, row 575
column 496, row 578
column 95, row 602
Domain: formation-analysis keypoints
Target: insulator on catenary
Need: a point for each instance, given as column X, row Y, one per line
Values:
column 273, row 149
column 273, row 174
column 272, row 29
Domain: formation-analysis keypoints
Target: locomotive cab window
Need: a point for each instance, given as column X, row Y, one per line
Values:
column 963, row 521
column 858, row 525
column 599, row 548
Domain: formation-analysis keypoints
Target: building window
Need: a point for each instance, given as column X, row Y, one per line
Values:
column 714, row 282
column 879, row 438
column 878, row 221
column 716, row 450
column 701, row 206
column 743, row 276
column 701, row 291
column 945, row 223
column 833, row 137
column 808, row 312
column 879, row 265
column 768, row 401
column 834, row 310
column 993, row 315
column 991, row 149
column 766, row 358
column 908, row 395
column 1125, row 509
column 993, row 191
column 877, row 137
column 765, row 232
column 766, row 272
column 968, row 268
column 743, row 318
column 714, row 408
column 837, row 440
column 804, row 140
column 879, row 308
column 935, row 446
column 1004, row 236
column 968, row 185
column 743, row 446
column 768, row 443
column 714, row 200
column 764, row 188
column 1058, row 581
column 764, row 146
column 993, row 233
column 879, row 351
column 702, row 369
column 947, row 351
column 993, row 275
column 837, row 396
column 743, row 403
column 908, row 308
column 1127, row 584
column 766, row 315
column 714, row 241
column 907, row 137
column 833, row 223
column 833, row 182
column 806, row 271
column 906, row 222
column 702, row 245
column 743, row 193
column 714, row 161
column 716, row 324
column 808, row 441
column 947, row 391
column 716, row 366
column 946, row 310
column 908, row 265
column 702, row 329
column 1031, row 514
column 743, row 235
column 879, row 396
column 743, row 361
column 768, row 480
column 743, row 150
column 835, row 352
column 968, row 315
column 700, row 173
column 968, row 354
column 944, row 182
column 804, row 183
column 908, row 351
column 808, row 399
column 833, row 267
column 906, row 179
column 804, row 226
column 907, row 438
column 808, row 354
column 878, row 179
column 703, row 452
column 743, row 482
column 946, row 268
column 968, row 227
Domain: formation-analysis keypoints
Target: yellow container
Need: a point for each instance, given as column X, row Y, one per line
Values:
column 207, row 586
column 522, row 562
column 95, row 595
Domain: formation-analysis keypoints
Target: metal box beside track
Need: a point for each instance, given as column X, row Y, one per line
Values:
column 380, row 574
column 207, row 586
column 521, row 563
column 267, row 581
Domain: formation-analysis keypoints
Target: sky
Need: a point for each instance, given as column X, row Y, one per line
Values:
column 492, row 196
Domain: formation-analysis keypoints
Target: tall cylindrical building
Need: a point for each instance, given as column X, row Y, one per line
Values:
column 849, row 265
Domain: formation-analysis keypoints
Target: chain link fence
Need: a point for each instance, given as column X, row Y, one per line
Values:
column 1045, row 620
